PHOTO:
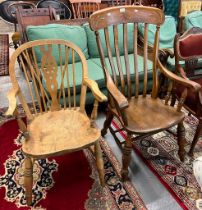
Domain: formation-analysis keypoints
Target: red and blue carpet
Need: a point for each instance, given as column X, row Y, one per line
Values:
column 159, row 153
column 66, row 182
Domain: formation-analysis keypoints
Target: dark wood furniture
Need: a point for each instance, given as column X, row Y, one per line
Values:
column 62, row 9
column 60, row 124
column 152, row 3
column 188, row 49
column 35, row 16
column 84, row 8
column 139, row 112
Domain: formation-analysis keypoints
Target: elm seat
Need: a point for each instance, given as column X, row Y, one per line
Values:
column 135, row 108
column 188, row 49
column 55, row 128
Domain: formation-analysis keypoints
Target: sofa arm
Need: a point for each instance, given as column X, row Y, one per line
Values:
column 12, row 102
column 95, row 90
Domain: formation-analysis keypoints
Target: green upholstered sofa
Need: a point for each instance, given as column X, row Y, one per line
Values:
column 85, row 39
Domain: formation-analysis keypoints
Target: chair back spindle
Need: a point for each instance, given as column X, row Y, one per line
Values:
column 51, row 66
column 119, row 52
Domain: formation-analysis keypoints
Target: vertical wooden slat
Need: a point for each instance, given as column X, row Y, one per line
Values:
column 74, row 77
column 38, row 76
column 27, row 81
column 62, row 73
column 145, row 58
column 67, row 76
column 115, row 29
column 135, row 36
column 125, row 45
column 109, row 51
column 154, row 68
column 32, row 71
column 100, row 49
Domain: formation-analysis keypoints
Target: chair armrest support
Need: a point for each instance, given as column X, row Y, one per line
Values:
column 12, row 102
column 119, row 98
column 195, row 87
column 163, row 55
column 95, row 90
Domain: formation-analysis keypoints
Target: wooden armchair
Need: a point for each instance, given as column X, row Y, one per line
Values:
column 84, row 8
column 139, row 112
column 59, row 123
column 188, row 49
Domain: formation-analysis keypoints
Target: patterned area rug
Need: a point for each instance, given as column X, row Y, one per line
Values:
column 4, row 54
column 66, row 182
column 159, row 153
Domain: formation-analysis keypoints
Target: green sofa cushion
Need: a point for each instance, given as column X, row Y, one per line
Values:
column 167, row 32
column 193, row 19
column 75, row 34
column 92, row 45
column 131, row 66
column 94, row 72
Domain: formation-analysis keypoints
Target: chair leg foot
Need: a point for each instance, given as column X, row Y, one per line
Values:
column 181, row 140
column 107, row 123
column 99, row 163
column 196, row 137
column 28, row 180
column 126, row 158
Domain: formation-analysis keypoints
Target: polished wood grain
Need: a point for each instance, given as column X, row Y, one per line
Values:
column 138, row 110
column 84, row 8
column 58, row 123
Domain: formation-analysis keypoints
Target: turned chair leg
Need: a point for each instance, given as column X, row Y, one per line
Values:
column 181, row 140
column 99, row 163
column 107, row 123
column 196, row 137
column 126, row 158
column 28, row 180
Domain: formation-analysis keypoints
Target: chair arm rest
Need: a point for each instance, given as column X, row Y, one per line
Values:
column 119, row 98
column 95, row 90
column 12, row 102
column 185, row 82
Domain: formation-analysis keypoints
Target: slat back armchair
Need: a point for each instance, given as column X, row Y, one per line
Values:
column 187, row 48
column 138, row 110
column 58, row 123
column 84, row 8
